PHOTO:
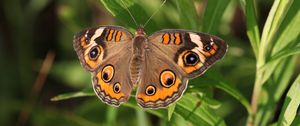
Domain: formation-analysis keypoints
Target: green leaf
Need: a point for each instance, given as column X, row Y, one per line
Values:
column 111, row 115
column 187, row 14
column 291, row 104
column 275, row 88
column 65, row 96
column 218, row 82
column 213, row 15
column 197, row 112
column 275, row 17
column 142, row 119
column 288, row 31
column 252, row 27
column 119, row 10
column 234, row 93
column 280, row 56
column 273, row 25
column 171, row 109
column 296, row 121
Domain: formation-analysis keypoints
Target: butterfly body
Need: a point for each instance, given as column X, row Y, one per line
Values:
column 159, row 65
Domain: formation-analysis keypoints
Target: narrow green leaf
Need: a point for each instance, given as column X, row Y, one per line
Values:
column 275, row 17
column 187, row 14
column 65, row 96
column 142, row 119
column 296, row 121
column 287, row 43
column 111, row 115
column 119, row 11
column 234, row 93
column 213, row 15
column 274, row 87
column 291, row 104
column 279, row 57
column 197, row 112
column 220, row 83
column 288, row 31
column 252, row 27
column 171, row 109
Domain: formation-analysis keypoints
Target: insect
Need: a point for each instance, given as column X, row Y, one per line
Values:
column 159, row 65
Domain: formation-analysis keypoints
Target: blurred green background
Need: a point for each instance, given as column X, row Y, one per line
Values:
column 38, row 62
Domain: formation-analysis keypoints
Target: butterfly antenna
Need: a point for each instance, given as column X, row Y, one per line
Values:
column 155, row 13
column 129, row 13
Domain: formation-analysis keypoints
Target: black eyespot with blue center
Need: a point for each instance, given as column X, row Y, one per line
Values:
column 94, row 53
column 191, row 58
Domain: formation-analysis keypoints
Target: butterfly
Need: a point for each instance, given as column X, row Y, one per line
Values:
column 158, row 66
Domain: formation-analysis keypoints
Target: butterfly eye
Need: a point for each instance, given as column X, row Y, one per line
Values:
column 167, row 78
column 117, row 87
column 107, row 73
column 94, row 53
column 150, row 90
column 191, row 58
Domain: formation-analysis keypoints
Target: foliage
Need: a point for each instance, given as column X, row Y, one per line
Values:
column 264, row 59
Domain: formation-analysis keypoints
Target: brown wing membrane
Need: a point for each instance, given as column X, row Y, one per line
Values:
column 193, row 52
column 94, row 44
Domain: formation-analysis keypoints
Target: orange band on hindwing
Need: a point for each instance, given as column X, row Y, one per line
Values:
column 166, row 38
column 108, row 88
column 161, row 93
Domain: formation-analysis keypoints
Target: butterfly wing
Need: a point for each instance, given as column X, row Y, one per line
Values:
column 174, row 57
column 105, row 51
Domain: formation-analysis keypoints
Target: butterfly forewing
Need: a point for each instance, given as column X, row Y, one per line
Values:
column 193, row 52
column 92, row 45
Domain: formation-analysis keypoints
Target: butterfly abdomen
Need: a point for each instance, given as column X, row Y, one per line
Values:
column 135, row 68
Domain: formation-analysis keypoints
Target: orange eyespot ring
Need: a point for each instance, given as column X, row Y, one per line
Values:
column 190, row 58
column 167, row 78
column 107, row 73
column 150, row 90
column 117, row 87
column 94, row 53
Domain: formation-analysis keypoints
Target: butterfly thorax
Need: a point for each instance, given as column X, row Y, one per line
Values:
column 139, row 46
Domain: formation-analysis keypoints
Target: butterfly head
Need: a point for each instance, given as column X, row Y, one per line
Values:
column 140, row 31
